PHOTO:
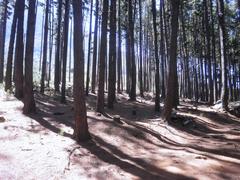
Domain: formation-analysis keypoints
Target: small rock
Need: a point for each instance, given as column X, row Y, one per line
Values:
column 117, row 119
column 2, row 119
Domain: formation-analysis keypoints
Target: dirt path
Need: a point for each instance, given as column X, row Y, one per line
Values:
column 201, row 144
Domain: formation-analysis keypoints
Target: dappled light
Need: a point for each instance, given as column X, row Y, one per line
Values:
column 119, row 90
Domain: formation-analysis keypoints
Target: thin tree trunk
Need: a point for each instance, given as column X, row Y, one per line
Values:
column 57, row 57
column 45, row 45
column 70, row 53
column 119, row 49
column 112, row 56
column 208, row 53
column 8, row 78
column 95, row 51
column 157, row 81
column 140, row 46
column 89, row 50
column 2, row 43
column 19, row 51
column 102, row 59
column 132, row 94
column 65, row 49
column 222, row 35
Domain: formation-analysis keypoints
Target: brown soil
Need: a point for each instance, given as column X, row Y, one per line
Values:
column 199, row 143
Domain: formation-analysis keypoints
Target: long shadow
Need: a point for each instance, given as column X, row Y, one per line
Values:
column 233, row 153
column 39, row 118
column 116, row 157
column 142, row 169
column 219, row 118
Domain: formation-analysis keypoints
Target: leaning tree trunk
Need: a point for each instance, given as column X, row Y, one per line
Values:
column 222, row 34
column 81, row 132
column 45, row 45
column 19, row 51
column 171, row 89
column 102, row 57
column 29, row 103
column 8, row 77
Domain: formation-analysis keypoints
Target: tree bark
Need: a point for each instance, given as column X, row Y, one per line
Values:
column 157, row 81
column 29, row 102
column 112, row 56
column 171, row 84
column 57, row 57
column 65, row 49
column 45, row 45
column 222, row 35
column 89, row 50
column 2, row 43
column 132, row 94
column 81, row 132
column 8, row 78
column 95, row 51
column 102, row 58
column 19, row 51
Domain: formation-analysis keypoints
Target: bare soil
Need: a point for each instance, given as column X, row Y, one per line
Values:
column 201, row 142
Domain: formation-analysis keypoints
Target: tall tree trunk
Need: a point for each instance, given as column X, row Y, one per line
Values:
column 51, row 24
column 140, row 51
column 2, row 43
column 29, row 102
column 8, row 78
column 157, row 81
column 102, row 58
column 208, row 53
column 89, row 50
column 112, row 56
column 45, row 45
column 95, row 51
column 214, row 53
column 57, row 57
column 222, row 35
column 132, row 94
column 19, row 51
column 171, row 84
column 163, row 61
column 81, row 132
column 188, row 93
column 70, row 53
column 119, row 76
column 65, row 49
column 41, row 49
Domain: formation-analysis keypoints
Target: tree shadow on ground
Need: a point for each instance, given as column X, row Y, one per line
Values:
column 135, row 166
column 112, row 155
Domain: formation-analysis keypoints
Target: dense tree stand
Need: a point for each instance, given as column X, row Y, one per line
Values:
column 126, row 61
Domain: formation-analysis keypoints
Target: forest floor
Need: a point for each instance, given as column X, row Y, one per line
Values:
column 201, row 142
